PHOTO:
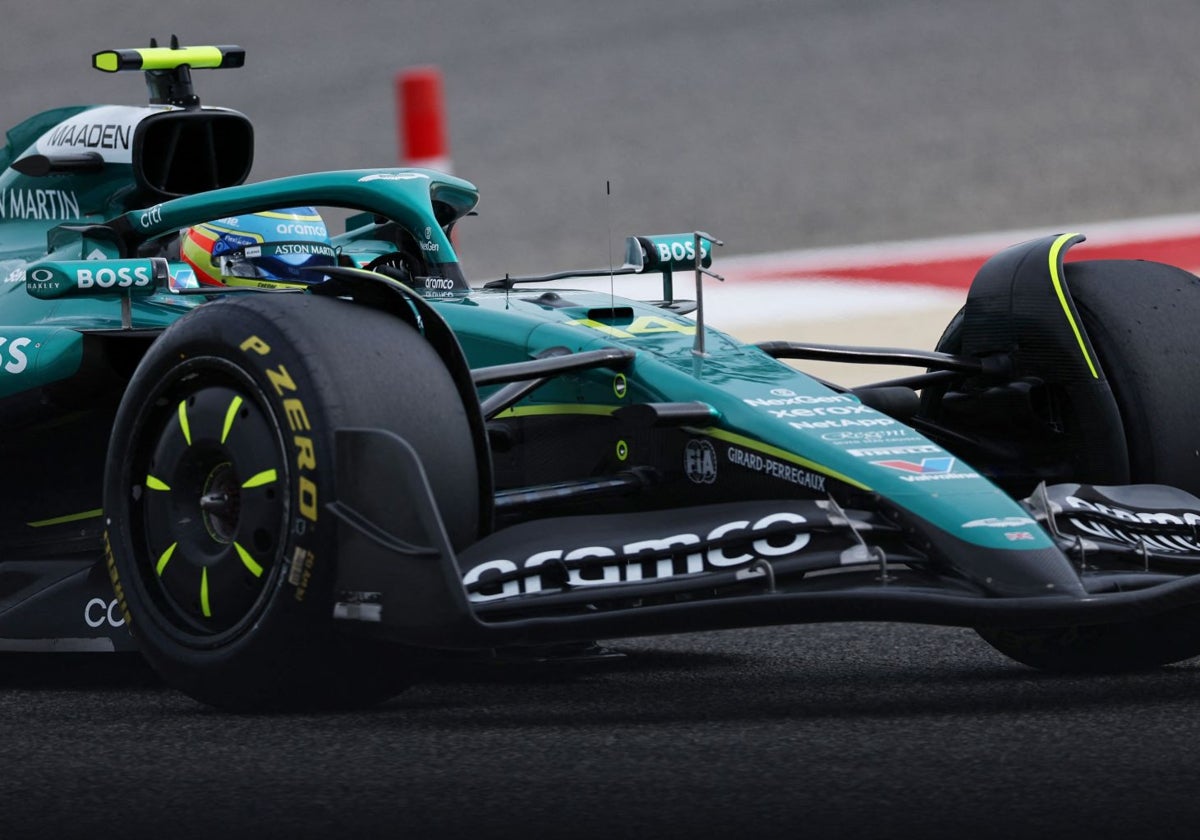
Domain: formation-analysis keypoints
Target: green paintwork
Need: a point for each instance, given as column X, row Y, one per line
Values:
column 767, row 413
column 93, row 278
column 37, row 354
column 739, row 382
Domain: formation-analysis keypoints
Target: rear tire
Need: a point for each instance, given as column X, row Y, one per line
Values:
column 220, row 461
column 1140, row 318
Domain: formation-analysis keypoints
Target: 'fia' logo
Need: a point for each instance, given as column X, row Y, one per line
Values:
column 700, row 462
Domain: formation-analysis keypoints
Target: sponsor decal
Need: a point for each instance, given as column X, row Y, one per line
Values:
column 302, row 228
column 700, row 462
column 392, row 176
column 39, row 279
column 1141, row 516
column 942, row 464
column 878, row 436
column 38, row 204
column 15, row 276
column 107, row 278
column 227, row 242
column 84, row 135
column 1139, row 520
column 303, row 249
column 878, row 451
column 307, row 502
column 1016, row 536
column 151, row 217
column 107, row 130
column 429, row 247
column 686, row 250
column 928, row 469
column 789, row 398
column 823, row 411
column 442, row 283
column 999, row 522
column 782, row 392
column 776, row 469
column 842, row 423
column 689, row 554
column 13, row 358
column 98, row 613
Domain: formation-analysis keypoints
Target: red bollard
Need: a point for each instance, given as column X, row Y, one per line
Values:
column 421, row 119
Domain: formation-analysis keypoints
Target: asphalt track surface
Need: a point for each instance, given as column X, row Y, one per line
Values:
column 775, row 126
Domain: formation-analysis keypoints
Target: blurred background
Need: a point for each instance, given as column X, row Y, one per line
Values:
column 774, row 124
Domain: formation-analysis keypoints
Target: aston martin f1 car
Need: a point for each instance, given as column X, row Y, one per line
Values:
column 283, row 493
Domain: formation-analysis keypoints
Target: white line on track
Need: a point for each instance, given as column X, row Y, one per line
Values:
column 744, row 301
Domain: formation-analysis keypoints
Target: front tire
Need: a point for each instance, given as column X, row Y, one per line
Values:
column 1140, row 318
column 220, row 461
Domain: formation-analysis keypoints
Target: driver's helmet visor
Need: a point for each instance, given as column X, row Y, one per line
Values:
column 277, row 261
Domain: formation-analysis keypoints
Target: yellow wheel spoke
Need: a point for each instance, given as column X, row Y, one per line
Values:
column 249, row 562
column 156, row 483
column 230, row 416
column 183, row 422
column 166, row 556
column 264, row 477
column 204, row 607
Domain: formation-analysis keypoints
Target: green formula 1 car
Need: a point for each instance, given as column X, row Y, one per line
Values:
column 285, row 465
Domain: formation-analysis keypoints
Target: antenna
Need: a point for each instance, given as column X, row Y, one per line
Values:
column 612, row 283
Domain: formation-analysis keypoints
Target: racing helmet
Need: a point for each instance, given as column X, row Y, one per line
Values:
column 264, row 250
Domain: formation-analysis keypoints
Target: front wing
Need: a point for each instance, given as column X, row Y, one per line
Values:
column 710, row 567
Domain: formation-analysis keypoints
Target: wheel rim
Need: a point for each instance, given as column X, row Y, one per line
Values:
column 210, row 501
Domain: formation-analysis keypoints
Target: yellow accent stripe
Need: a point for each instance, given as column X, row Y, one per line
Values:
column 1055, row 250
column 230, row 416
column 183, row 422
column 166, row 556
column 776, row 452
column 264, row 477
column 253, row 283
column 248, row 561
column 210, row 227
column 70, row 517
column 204, row 607
column 156, row 483
column 544, row 410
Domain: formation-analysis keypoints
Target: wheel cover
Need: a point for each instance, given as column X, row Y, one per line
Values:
column 209, row 507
